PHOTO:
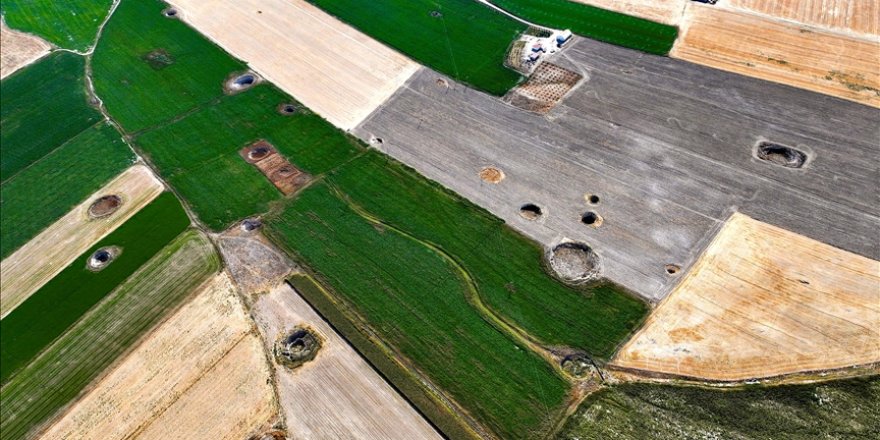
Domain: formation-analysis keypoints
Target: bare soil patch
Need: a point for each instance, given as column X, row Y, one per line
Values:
column 104, row 206
column 254, row 263
column 158, row 59
column 284, row 175
column 545, row 88
column 18, row 49
column 491, row 175
column 763, row 302
column 859, row 17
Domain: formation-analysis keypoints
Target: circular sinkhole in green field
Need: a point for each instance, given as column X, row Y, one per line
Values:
column 102, row 258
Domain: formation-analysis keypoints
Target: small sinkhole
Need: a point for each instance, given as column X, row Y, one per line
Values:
column 781, row 155
column 530, row 211
column 590, row 218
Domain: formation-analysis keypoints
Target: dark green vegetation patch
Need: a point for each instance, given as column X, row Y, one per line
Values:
column 418, row 300
column 596, row 23
column 68, row 365
column 47, row 313
column 845, row 409
column 136, row 93
column 461, row 38
column 39, row 195
column 71, row 24
column 164, row 81
column 43, row 106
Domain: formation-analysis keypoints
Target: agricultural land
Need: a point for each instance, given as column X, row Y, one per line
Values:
column 389, row 219
column 19, row 49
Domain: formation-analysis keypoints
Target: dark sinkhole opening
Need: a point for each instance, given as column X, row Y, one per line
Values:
column 781, row 155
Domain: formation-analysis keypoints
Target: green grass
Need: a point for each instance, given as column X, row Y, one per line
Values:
column 596, row 23
column 39, row 195
column 47, row 313
column 41, row 108
column 139, row 95
column 199, row 153
column 468, row 42
column 405, row 383
column 417, row 302
column 61, row 372
column 844, row 409
column 505, row 265
column 71, row 24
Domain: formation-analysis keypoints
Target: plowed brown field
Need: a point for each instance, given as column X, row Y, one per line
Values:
column 18, row 49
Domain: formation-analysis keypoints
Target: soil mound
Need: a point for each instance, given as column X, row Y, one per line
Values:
column 574, row 262
column 491, row 175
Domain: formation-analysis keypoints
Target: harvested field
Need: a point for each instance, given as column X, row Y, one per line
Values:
column 330, row 67
column 337, row 394
column 77, row 169
column 107, row 331
column 71, row 24
column 19, row 49
column 663, row 11
column 201, row 373
column 763, row 302
column 286, row 177
column 47, row 313
column 753, row 45
column 545, row 88
column 58, row 245
column 859, row 16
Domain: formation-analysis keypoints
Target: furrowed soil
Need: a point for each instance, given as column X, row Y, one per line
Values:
column 789, row 53
column 50, row 311
column 762, row 302
column 334, row 395
column 333, row 69
column 439, row 34
column 71, row 24
column 600, row 24
column 43, row 106
column 76, row 169
column 201, row 373
column 844, row 409
column 19, row 49
column 59, row 244
column 61, row 372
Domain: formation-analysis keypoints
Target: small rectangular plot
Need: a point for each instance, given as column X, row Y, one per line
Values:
column 284, row 175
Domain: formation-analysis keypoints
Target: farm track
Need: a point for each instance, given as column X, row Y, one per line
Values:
column 108, row 330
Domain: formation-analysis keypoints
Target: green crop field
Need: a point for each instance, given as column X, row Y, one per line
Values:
column 71, row 24
column 47, row 313
column 199, row 153
column 506, row 266
column 140, row 93
column 418, row 302
column 462, row 38
column 39, row 195
column 42, row 107
column 596, row 23
column 67, row 366
column 844, row 409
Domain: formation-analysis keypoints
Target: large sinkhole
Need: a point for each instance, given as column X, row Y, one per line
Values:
column 102, row 258
column 574, row 262
column 104, row 206
column 297, row 347
column 781, row 155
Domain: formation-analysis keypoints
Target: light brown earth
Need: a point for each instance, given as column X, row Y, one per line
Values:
column 201, row 374
column 18, row 49
column 336, row 71
column 758, row 46
column 255, row 264
column 59, row 244
column 337, row 394
column 664, row 11
column 858, row 16
column 763, row 302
